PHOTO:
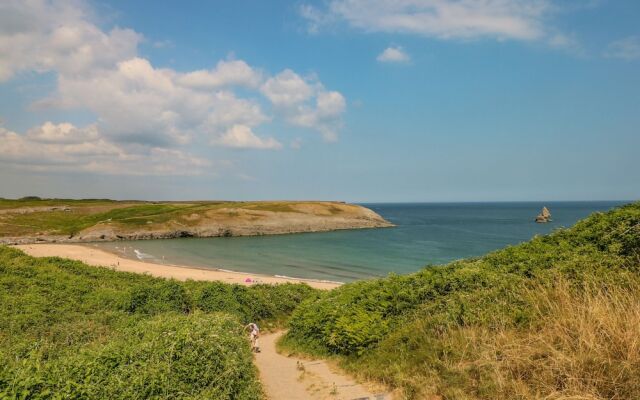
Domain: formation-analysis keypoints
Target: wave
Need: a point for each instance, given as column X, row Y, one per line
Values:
column 141, row 256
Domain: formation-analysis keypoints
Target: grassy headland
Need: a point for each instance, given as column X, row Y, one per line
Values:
column 555, row 317
column 30, row 220
column 68, row 330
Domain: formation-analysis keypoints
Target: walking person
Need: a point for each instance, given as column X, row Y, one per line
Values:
column 254, row 333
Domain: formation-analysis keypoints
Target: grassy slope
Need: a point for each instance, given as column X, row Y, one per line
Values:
column 68, row 330
column 126, row 214
column 556, row 316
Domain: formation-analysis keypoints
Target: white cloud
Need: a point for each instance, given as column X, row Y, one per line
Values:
column 315, row 18
column 393, row 55
column 444, row 19
column 626, row 49
column 139, row 103
column 142, row 112
column 287, row 89
column 306, row 103
column 241, row 136
column 226, row 73
column 41, row 35
column 64, row 133
column 64, row 147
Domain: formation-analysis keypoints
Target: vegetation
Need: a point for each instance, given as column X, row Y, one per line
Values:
column 34, row 216
column 555, row 317
column 68, row 330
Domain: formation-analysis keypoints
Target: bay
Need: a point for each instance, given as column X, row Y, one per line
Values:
column 425, row 234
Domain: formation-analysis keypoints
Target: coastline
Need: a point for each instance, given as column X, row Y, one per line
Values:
column 101, row 258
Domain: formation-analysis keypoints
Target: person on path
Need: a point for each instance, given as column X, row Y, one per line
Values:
column 254, row 333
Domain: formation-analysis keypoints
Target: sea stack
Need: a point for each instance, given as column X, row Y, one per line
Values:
column 544, row 216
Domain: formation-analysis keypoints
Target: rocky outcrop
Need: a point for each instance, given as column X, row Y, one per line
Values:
column 544, row 216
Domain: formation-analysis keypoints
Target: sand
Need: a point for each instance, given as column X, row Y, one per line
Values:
column 96, row 257
column 294, row 378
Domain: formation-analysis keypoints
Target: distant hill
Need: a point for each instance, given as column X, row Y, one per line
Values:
column 31, row 219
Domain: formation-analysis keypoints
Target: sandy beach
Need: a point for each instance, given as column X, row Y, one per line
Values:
column 101, row 258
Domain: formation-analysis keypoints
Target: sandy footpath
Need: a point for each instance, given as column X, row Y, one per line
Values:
column 98, row 257
column 301, row 379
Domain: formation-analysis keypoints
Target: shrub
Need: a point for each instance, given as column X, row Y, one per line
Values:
column 157, row 297
column 169, row 356
column 216, row 296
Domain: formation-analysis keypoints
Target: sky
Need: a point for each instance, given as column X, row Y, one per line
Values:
column 353, row 100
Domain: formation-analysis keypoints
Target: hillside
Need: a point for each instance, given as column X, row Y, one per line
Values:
column 555, row 317
column 32, row 220
column 68, row 330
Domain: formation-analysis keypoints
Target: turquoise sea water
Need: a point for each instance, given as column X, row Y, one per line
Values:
column 431, row 233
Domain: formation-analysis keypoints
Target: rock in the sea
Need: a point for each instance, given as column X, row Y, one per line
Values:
column 544, row 216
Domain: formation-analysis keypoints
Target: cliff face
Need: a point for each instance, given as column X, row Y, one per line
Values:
column 171, row 220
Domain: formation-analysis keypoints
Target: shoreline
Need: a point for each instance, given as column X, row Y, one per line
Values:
column 102, row 258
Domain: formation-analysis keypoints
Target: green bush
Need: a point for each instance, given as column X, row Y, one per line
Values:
column 158, row 297
column 168, row 356
column 218, row 296
column 260, row 302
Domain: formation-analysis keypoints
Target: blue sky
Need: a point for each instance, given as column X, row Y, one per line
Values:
column 381, row 100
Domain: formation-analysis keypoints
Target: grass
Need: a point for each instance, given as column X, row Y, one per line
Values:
column 517, row 323
column 68, row 330
column 33, row 201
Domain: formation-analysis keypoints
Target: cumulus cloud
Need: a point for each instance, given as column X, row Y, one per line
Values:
column 226, row 73
column 444, row 19
column 287, row 89
column 305, row 102
column 42, row 35
column 393, row 55
column 64, row 133
column 64, row 147
column 241, row 136
column 139, row 103
column 145, row 114
column 626, row 49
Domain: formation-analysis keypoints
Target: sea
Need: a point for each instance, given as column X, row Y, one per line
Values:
column 424, row 234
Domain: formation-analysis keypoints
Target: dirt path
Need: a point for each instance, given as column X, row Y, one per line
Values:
column 297, row 379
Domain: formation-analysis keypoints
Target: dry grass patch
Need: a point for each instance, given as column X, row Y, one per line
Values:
column 585, row 344
column 586, row 347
